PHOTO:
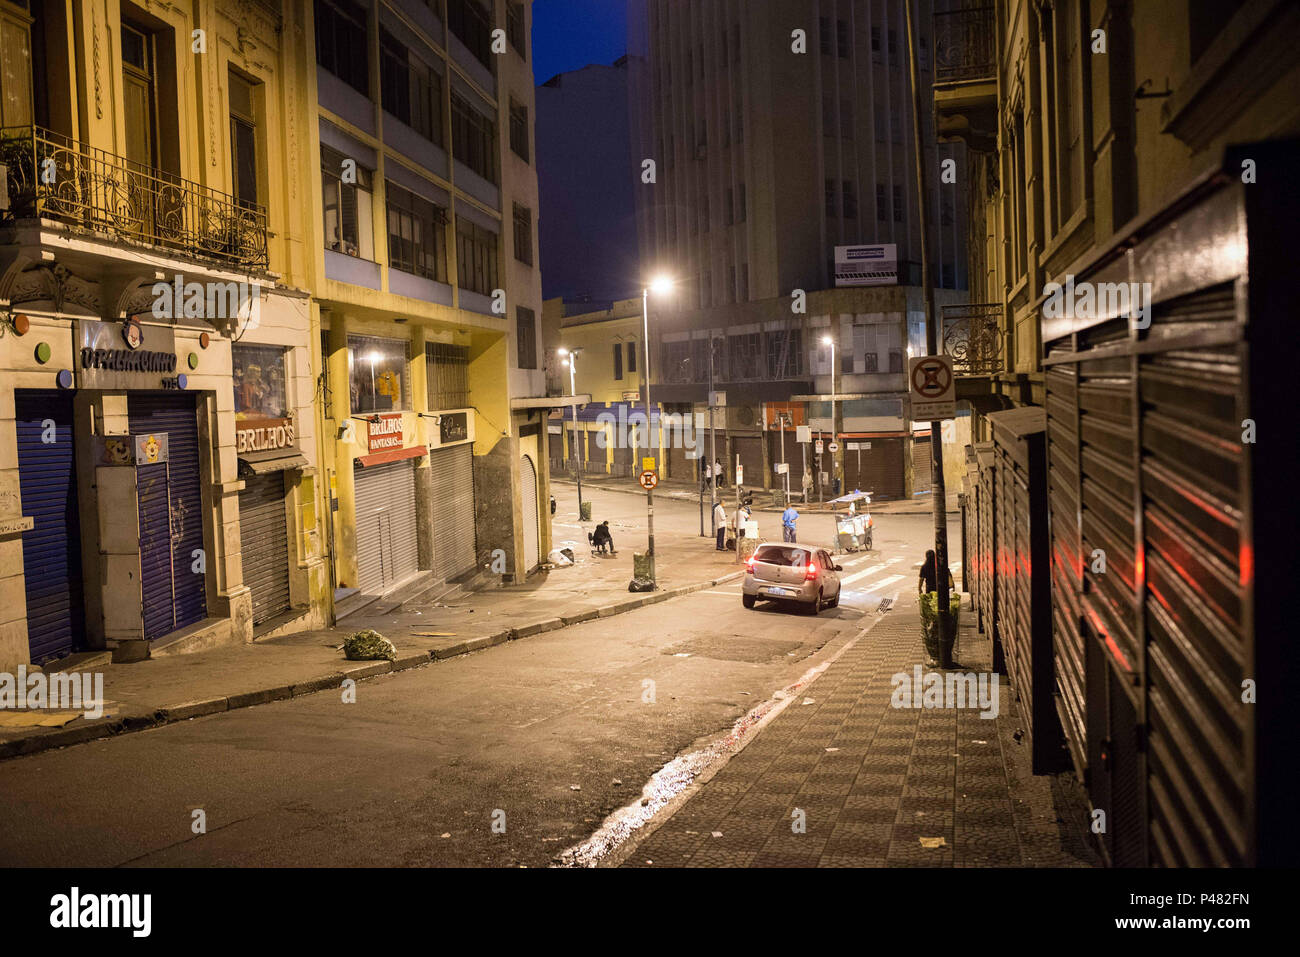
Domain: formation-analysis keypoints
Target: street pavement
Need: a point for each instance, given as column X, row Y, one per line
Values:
column 508, row 757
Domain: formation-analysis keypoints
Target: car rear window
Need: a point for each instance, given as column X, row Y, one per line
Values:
column 782, row 555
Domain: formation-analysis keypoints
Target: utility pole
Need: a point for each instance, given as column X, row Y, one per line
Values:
column 931, row 333
column 571, row 360
column 649, row 447
column 713, row 436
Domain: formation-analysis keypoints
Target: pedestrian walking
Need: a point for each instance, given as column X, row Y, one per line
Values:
column 719, row 477
column 720, row 523
column 788, row 519
column 807, row 485
column 708, row 474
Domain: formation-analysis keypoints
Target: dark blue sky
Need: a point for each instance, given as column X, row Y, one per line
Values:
column 569, row 34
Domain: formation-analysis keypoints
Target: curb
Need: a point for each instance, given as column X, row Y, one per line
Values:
column 171, row 714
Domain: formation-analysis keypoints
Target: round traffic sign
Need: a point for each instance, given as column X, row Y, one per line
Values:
column 648, row 480
column 833, row 446
column 931, row 378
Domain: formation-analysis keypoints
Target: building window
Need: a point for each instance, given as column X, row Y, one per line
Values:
column 16, row 99
column 243, row 139
column 741, row 203
column 850, row 200
column 831, row 205
column 882, row 204
column 347, row 206
column 476, row 254
column 342, row 42
column 523, row 234
column 895, row 361
column 631, row 357
column 516, row 29
column 447, row 375
column 526, row 337
column 618, row 361
column 377, row 374
column 519, row 130
column 473, row 138
column 411, row 89
column 728, row 207
column 471, row 23
column 824, row 32
column 259, row 382
column 898, row 204
column 417, row 242
column 846, row 118
column 875, row 39
column 844, row 37
column 744, row 282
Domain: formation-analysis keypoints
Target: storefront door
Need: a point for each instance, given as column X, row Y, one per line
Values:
column 387, row 547
column 264, row 544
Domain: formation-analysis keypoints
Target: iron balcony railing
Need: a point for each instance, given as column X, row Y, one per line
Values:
column 964, row 45
column 54, row 177
column 972, row 335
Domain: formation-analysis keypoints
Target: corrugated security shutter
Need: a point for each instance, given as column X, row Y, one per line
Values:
column 453, row 511
column 264, row 544
column 387, row 546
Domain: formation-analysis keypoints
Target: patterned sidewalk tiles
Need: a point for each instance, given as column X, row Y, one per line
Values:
column 841, row 778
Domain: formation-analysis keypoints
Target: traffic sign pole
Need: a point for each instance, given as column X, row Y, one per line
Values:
column 945, row 621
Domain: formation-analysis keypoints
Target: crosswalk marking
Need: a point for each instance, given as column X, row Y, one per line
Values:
column 867, row 572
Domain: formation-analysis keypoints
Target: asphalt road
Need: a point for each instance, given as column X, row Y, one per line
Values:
column 530, row 736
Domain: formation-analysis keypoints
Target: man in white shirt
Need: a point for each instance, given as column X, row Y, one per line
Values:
column 720, row 523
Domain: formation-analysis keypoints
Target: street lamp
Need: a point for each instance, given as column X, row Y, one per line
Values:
column 660, row 285
column 828, row 340
column 570, row 362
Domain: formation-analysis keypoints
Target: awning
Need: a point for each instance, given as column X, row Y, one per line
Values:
column 393, row 455
column 550, row 401
column 271, row 460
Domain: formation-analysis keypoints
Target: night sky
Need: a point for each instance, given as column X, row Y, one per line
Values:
column 569, row 34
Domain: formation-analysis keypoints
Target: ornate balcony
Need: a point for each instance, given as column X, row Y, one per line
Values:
column 972, row 335
column 965, row 75
column 88, row 190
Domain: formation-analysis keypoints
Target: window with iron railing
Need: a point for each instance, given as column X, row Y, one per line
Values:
column 447, row 374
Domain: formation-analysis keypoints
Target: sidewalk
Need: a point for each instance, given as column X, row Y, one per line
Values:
column 690, row 492
column 880, row 786
column 423, row 627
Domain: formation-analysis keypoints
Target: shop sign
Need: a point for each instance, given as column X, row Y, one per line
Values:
column 385, row 431
column 453, row 427
column 265, row 434
column 124, row 355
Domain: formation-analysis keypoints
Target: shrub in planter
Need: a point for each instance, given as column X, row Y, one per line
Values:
column 368, row 645
column 937, row 646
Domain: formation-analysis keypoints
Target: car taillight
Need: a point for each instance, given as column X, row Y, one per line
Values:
column 810, row 573
column 749, row 567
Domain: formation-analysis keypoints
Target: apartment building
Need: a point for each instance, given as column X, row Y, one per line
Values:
column 1132, row 205
column 158, row 449
column 779, row 132
column 425, row 270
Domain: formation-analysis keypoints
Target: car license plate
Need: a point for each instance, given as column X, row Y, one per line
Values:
column 779, row 591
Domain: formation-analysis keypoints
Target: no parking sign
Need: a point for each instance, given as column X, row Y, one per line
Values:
column 933, row 388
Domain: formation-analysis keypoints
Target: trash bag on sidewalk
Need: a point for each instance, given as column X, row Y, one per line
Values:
column 641, row 584
column 368, row 645
column 560, row 556
column 939, row 637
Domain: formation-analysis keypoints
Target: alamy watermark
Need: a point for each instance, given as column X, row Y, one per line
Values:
column 629, row 430
column 60, row 691
column 952, row 689
column 1099, row 300
column 179, row 299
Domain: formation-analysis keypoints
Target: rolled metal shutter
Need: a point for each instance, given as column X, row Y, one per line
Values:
column 157, row 584
column 990, row 570
column 922, row 465
column 47, row 482
column 177, row 415
column 532, row 534
column 881, row 472
column 387, row 546
column 454, row 542
column 750, row 450
column 264, row 544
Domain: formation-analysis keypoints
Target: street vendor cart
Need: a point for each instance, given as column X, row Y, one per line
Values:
column 853, row 527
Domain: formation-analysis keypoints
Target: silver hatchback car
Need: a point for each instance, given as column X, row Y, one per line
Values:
column 799, row 573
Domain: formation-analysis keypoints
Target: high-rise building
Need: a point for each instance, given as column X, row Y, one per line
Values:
column 769, row 134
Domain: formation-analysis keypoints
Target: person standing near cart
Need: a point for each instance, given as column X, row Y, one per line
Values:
column 788, row 519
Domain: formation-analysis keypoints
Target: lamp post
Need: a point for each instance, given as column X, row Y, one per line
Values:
column 830, row 341
column 571, row 363
column 660, row 285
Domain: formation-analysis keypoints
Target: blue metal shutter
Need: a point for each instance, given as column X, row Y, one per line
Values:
column 154, row 505
column 47, row 482
column 176, row 415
